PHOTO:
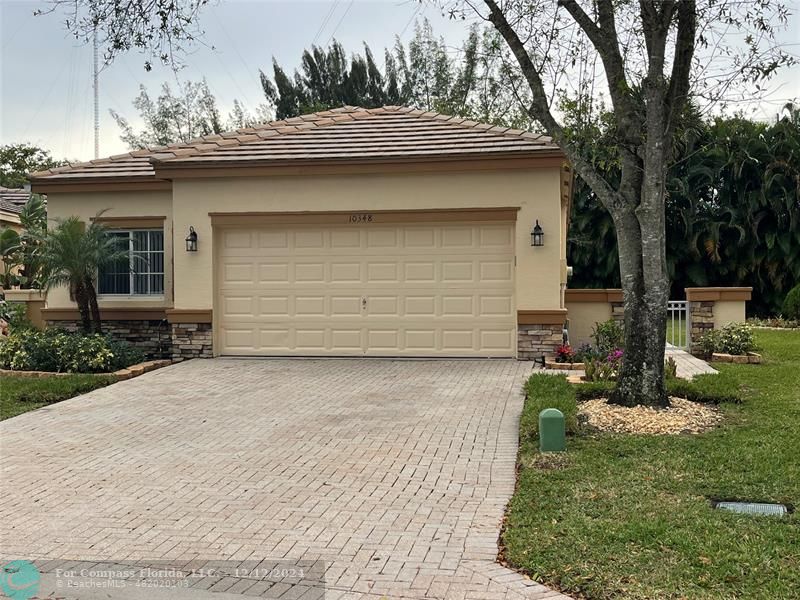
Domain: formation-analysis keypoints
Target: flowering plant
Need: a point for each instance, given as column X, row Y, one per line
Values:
column 565, row 354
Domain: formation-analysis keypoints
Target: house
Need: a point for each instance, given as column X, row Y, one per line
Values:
column 9, row 216
column 11, row 203
column 356, row 232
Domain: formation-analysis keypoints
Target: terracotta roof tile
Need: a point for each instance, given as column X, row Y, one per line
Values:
column 340, row 134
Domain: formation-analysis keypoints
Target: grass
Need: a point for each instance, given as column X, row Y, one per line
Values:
column 629, row 516
column 22, row 394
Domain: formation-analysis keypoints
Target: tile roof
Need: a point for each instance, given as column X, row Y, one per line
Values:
column 14, row 196
column 10, row 207
column 348, row 134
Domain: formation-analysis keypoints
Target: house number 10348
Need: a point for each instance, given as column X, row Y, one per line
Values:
column 360, row 218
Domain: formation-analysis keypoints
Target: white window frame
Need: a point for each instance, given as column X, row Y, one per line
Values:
column 133, row 272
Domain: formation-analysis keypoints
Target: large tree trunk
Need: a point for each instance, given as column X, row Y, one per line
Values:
column 91, row 293
column 641, row 234
column 641, row 377
column 82, row 300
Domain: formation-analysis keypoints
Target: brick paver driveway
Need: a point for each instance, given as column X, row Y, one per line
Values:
column 394, row 473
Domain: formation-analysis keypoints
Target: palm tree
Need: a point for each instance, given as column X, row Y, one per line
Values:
column 34, row 222
column 71, row 254
column 9, row 256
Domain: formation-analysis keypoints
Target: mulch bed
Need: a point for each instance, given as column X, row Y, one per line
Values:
column 682, row 416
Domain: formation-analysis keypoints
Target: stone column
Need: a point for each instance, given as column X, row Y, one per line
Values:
column 702, row 304
column 539, row 332
column 191, row 340
column 192, row 333
column 701, row 321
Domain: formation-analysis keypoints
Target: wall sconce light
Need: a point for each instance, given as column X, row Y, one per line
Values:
column 191, row 240
column 537, row 235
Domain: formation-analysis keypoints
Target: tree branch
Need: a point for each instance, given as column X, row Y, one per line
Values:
column 540, row 109
column 679, row 83
column 604, row 38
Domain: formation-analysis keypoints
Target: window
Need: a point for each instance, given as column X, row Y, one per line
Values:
column 142, row 273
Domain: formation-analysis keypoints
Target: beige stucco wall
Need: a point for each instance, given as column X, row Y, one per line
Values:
column 118, row 204
column 582, row 318
column 728, row 311
column 536, row 192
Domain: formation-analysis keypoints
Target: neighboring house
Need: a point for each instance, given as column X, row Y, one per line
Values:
column 9, row 215
column 380, row 232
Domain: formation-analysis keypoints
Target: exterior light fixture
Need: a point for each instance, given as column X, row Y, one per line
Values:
column 191, row 240
column 537, row 235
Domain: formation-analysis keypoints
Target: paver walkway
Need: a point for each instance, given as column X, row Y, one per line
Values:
column 688, row 365
column 394, row 474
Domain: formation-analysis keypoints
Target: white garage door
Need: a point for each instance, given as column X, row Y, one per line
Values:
column 367, row 289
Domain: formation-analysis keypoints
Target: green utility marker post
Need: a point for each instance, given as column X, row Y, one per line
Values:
column 551, row 431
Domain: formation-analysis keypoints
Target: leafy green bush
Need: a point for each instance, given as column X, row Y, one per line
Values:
column 60, row 351
column 791, row 304
column 608, row 336
column 15, row 314
column 548, row 391
column 737, row 338
column 734, row 338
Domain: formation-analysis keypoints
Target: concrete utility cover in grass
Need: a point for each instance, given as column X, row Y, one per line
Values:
column 754, row 508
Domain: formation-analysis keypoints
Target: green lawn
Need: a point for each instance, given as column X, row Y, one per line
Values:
column 21, row 394
column 629, row 516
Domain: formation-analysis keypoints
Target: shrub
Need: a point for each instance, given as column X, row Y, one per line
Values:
column 14, row 313
column 775, row 322
column 584, row 353
column 548, row 391
column 791, row 304
column 737, row 338
column 708, row 343
column 604, row 369
column 608, row 336
column 60, row 351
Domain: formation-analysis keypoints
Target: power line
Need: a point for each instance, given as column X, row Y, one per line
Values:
column 413, row 16
column 349, row 6
column 325, row 22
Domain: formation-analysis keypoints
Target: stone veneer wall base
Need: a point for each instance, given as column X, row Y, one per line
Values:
column 701, row 321
column 191, row 340
column 533, row 341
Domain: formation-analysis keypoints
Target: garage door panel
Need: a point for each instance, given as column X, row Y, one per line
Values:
column 458, row 339
column 457, row 271
column 496, row 271
column 345, row 306
column 272, row 239
column 274, row 272
column 273, row 305
column 313, row 272
column 496, row 339
column 237, row 239
column 382, row 272
column 389, row 290
column 458, row 305
column 458, row 237
column 345, row 272
column 237, row 273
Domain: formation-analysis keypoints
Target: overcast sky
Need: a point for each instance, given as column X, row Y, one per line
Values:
column 45, row 75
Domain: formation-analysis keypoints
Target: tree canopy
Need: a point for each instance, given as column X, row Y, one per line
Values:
column 732, row 209
column 474, row 81
column 16, row 160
